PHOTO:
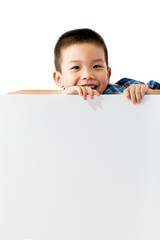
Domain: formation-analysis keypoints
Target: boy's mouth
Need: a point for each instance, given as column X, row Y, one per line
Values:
column 90, row 85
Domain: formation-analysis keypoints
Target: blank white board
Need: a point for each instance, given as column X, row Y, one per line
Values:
column 74, row 169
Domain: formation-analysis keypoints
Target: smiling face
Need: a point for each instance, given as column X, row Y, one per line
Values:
column 83, row 64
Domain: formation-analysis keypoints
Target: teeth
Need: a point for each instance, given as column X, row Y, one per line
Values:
column 89, row 86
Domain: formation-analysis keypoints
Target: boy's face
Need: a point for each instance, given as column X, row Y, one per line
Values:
column 83, row 65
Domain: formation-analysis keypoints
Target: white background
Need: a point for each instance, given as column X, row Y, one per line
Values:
column 29, row 30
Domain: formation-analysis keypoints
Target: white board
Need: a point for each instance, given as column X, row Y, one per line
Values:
column 74, row 169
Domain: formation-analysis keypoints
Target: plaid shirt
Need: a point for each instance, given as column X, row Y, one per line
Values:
column 124, row 83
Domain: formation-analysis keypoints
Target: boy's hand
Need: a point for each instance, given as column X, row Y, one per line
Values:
column 82, row 91
column 136, row 92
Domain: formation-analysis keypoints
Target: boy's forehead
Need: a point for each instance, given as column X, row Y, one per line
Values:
column 75, row 51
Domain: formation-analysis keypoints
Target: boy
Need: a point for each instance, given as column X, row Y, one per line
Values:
column 81, row 62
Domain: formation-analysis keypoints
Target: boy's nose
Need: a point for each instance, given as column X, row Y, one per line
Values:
column 87, row 74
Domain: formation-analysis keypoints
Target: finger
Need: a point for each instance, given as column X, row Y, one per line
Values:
column 138, row 93
column 84, row 92
column 96, row 93
column 79, row 90
column 90, row 92
column 133, row 95
column 127, row 93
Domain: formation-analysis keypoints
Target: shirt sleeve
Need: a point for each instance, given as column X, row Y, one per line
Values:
column 120, row 86
column 126, row 82
column 153, row 85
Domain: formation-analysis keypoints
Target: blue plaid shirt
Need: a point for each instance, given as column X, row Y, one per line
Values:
column 124, row 83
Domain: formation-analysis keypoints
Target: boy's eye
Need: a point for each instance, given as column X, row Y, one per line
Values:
column 75, row 67
column 97, row 66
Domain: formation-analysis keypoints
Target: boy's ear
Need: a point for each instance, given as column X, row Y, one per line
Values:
column 109, row 74
column 57, row 76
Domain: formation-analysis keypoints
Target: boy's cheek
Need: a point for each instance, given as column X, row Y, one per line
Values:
column 102, row 88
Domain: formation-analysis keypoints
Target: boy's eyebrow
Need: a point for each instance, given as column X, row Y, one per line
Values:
column 95, row 60
column 98, row 60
